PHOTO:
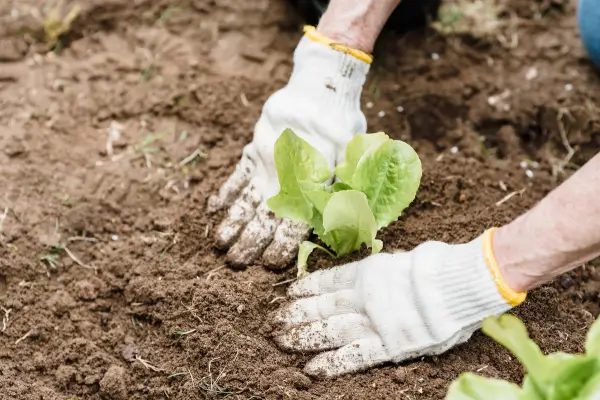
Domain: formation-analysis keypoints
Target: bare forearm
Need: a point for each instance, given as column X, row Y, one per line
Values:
column 356, row 23
column 560, row 233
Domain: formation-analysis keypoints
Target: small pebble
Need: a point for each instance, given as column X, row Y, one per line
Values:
column 369, row 104
column 535, row 164
column 523, row 164
column 399, row 375
column 130, row 352
column 115, row 238
column 454, row 150
column 435, row 56
column 400, row 109
column 532, row 73
column 529, row 173
column 99, row 163
column 566, row 281
column 568, row 87
column 241, row 308
column 381, row 114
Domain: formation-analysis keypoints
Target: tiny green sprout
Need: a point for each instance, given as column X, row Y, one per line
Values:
column 57, row 21
column 144, row 146
column 148, row 73
column 51, row 259
column 169, row 12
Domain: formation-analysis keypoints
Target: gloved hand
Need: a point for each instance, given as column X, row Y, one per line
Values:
column 394, row 307
column 321, row 104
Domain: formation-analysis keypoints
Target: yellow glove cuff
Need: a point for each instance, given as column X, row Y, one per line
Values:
column 512, row 297
column 311, row 33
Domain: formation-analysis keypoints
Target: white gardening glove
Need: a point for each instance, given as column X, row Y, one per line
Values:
column 394, row 307
column 321, row 104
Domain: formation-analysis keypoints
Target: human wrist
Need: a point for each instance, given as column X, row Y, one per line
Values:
column 506, row 256
column 356, row 23
column 520, row 259
column 346, row 36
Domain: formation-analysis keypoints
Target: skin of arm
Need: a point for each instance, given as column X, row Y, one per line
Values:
column 356, row 23
column 560, row 233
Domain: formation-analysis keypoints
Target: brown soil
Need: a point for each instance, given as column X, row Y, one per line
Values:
column 149, row 310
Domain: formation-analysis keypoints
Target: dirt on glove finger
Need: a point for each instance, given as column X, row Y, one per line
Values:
column 143, row 306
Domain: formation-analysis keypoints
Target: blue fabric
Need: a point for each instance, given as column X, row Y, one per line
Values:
column 588, row 16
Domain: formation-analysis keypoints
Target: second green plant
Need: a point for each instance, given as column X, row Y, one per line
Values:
column 378, row 179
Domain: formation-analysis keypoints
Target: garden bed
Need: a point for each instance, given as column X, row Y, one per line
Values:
column 110, row 282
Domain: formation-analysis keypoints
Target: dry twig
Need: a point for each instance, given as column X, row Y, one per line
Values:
column 3, row 217
column 147, row 365
column 5, row 318
column 284, row 282
column 25, row 336
column 77, row 260
column 510, row 196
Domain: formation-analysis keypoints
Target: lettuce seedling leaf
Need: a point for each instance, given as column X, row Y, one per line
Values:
column 474, row 387
column 319, row 198
column 389, row 175
column 355, row 149
column 557, row 376
column 349, row 222
column 591, row 390
column 572, row 376
column 299, row 167
column 339, row 186
column 304, row 251
column 592, row 343
column 530, row 390
column 510, row 332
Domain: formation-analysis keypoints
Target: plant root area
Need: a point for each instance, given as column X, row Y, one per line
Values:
column 113, row 137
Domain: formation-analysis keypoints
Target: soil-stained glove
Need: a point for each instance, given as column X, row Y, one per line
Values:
column 321, row 104
column 394, row 307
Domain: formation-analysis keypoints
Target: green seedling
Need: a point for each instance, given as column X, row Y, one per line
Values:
column 169, row 12
column 51, row 258
column 478, row 18
column 556, row 376
column 58, row 19
column 377, row 181
column 145, row 145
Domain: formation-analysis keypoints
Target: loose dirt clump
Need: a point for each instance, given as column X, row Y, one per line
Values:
column 112, row 139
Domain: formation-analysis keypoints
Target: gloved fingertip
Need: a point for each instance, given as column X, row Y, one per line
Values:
column 284, row 247
column 279, row 316
column 284, row 341
column 276, row 261
column 238, row 258
column 297, row 289
column 225, row 235
column 290, row 314
column 321, row 367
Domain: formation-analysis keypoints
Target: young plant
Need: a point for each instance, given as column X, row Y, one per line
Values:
column 557, row 376
column 378, row 179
